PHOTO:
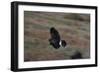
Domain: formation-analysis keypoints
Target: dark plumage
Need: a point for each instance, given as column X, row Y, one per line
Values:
column 55, row 39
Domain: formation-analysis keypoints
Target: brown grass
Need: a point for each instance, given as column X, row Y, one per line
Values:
column 75, row 31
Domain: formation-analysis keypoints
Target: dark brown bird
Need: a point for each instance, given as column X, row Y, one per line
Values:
column 55, row 39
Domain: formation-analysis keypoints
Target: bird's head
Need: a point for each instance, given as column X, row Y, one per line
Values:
column 63, row 43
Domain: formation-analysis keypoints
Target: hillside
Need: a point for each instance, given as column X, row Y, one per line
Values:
column 73, row 28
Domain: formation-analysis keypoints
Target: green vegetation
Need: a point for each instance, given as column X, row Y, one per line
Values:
column 73, row 28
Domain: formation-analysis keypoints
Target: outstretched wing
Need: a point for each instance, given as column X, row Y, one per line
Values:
column 54, row 34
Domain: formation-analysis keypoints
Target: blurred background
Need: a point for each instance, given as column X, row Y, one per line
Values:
column 74, row 28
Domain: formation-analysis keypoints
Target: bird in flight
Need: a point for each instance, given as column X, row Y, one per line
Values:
column 55, row 39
